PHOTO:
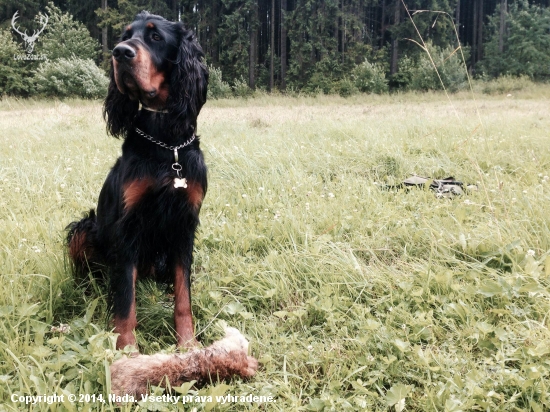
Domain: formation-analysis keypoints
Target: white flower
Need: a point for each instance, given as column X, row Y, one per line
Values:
column 62, row 328
column 530, row 252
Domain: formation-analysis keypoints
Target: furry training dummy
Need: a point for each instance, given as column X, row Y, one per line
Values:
column 221, row 360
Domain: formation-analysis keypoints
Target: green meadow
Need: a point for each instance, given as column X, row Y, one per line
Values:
column 353, row 295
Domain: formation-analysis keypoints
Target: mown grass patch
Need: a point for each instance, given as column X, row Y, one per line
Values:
column 353, row 297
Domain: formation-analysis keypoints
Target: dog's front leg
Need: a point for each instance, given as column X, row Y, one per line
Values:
column 183, row 317
column 124, row 306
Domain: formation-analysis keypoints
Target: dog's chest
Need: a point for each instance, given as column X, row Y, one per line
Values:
column 159, row 217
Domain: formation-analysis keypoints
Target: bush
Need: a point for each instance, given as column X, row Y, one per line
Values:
column 66, row 37
column 14, row 78
column 326, row 77
column 71, row 77
column 346, row 87
column 506, row 84
column 449, row 64
column 217, row 88
column 241, row 89
column 403, row 78
column 369, row 78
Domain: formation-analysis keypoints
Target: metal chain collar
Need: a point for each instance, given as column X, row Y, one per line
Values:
column 164, row 145
column 178, row 181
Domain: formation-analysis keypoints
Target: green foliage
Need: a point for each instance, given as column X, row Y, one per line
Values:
column 506, row 84
column 217, row 88
column 325, row 77
column 403, row 78
column 369, row 78
column 344, row 33
column 433, row 20
column 240, row 88
column 313, row 56
column 346, row 87
column 234, row 40
column 526, row 42
column 422, row 76
column 65, row 37
column 125, row 11
column 71, row 77
column 14, row 78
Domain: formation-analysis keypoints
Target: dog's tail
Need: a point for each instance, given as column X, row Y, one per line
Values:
column 81, row 239
column 221, row 360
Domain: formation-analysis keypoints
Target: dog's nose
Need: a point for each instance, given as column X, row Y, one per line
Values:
column 123, row 52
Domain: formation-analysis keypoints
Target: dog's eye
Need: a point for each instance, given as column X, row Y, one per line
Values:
column 156, row 37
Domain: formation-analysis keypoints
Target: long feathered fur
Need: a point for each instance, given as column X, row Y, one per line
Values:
column 143, row 225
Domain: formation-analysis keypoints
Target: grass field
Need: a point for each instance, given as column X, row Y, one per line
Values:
column 353, row 297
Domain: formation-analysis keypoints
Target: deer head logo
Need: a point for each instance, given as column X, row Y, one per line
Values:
column 29, row 40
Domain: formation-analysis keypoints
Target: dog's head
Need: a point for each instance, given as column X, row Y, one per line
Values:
column 158, row 63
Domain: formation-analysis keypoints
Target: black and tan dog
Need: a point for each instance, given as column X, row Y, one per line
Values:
column 148, row 209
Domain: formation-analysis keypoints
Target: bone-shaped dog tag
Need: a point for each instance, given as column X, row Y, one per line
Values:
column 180, row 182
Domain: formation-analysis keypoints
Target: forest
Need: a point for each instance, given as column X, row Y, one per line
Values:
column 330, row 46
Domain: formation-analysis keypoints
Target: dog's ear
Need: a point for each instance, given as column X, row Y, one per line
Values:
column 118, row 110
column 188, row 85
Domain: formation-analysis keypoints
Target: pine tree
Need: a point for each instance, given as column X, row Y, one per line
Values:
column 66, row 37
column 525, row 43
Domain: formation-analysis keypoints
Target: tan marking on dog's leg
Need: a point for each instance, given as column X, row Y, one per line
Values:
column 183, row 317
column 125, row 326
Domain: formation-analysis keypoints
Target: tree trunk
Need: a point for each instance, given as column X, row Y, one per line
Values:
column 214, row 34
column 283, row 45
column 474, row 35
column 479, row 47
column 457, row 16
column 502, row 27
column 337, row 28
column 104, row 32
column 343, row 32
column 253, row 27
column 271, row 64
column 174, row 9
column 383, row 24
column 394, row 42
